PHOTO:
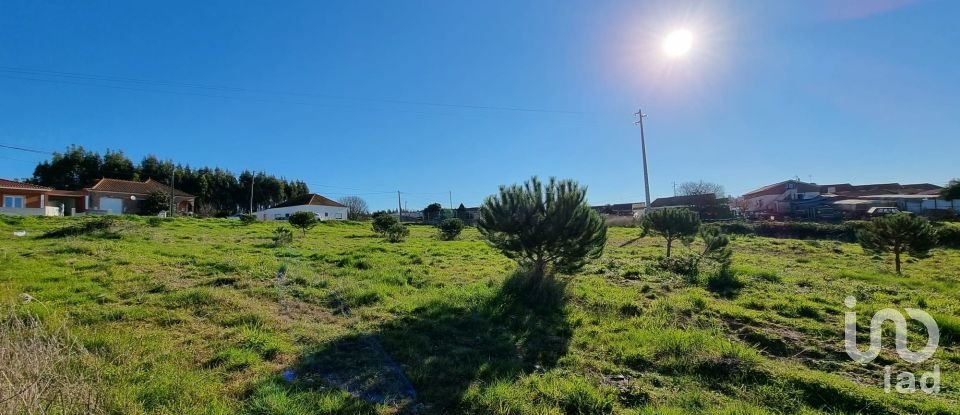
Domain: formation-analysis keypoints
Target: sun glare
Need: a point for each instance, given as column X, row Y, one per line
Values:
column 677, row 43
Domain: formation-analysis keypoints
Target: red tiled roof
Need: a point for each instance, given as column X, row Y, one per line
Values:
column 688, row 200
column 779, row 188
column 310, row 199
column 136, row 188
column 10, row 184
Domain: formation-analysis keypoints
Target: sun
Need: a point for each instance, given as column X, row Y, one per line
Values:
column 677, row 42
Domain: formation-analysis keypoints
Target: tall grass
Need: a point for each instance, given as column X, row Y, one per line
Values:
column 40, row 371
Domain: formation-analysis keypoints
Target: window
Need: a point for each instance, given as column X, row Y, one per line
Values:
column 339, row 216
column 16, row 202
column 325, row 214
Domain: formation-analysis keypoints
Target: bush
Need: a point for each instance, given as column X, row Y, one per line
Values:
column 282, row 236
column 157, row 201
column 716, row 247
column 450, row 228
column 724, row 283
column 846, row 232
column 949, row 236
column 397, row 232
column 382, row 222
column 248, row 218
column 303, row 221
column 102, row 225
column 809, row 230
column 154, row 221
column 733, row 228
column 686, row 265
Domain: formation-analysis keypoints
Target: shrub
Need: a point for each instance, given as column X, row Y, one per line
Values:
column 733, row 228
column 809, row 230
column 382, row 222
column 792, row 230
column 686, row 265
column 157, row 201
column 724, row 283
column 397, row 232
column 248, row 218
column 154, row 221
column 303, row 221
column 898, row 233
column 672, row 224
column 450, row 228
column 282, row 236
column 716, row 248
column 544, row 228
column 949, row 236
column 99, row 225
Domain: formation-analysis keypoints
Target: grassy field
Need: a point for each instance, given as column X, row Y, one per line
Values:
column 191, row 316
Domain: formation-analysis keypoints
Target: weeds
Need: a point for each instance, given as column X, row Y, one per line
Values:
column 42, row 371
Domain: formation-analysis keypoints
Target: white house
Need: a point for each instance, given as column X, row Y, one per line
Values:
column 775, row 199
column 325, row 209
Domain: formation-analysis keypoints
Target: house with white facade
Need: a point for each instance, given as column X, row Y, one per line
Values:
column 25, row 199
column 325, row 208
column 774, row 200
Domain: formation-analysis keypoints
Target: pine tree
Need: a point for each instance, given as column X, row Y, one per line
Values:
column 544, row 228
column 672, row 224
column 898, row 233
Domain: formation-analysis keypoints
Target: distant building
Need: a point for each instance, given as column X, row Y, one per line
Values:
column 25, row 199
column 621, row 209
column 774, row 200
column 708, row 205
column 116, row 196
column 793, row 199
column 107, row 196
column 325, row 208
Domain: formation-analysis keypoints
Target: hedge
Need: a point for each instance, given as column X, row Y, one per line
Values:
column 948, row 235
column 846, row 231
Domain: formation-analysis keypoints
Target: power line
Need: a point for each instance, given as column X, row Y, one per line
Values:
column 222, row 88
column 29, row 150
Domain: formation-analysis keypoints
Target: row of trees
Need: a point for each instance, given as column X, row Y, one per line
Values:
column 218, row 191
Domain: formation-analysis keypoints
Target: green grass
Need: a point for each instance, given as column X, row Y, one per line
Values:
column 195, row 316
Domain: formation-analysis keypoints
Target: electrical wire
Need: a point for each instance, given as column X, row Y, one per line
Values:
column 140, row 81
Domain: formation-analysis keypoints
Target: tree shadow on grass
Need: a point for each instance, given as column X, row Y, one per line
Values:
column 425, row 361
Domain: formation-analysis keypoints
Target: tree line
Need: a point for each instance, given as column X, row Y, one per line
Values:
column 219, row 192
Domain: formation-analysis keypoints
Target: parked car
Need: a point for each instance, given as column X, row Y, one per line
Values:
column 878, row 211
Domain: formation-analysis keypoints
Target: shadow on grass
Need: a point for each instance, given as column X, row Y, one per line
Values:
column 425, row 361
column 628, row 242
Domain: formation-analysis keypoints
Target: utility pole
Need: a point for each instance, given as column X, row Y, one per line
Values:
column 674, row 188
column 451, row 199
column 252, row 178
column 173, row 198
column 643, row 148
column 399, row 208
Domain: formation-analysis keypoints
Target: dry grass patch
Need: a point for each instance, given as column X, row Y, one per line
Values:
column 41, row 371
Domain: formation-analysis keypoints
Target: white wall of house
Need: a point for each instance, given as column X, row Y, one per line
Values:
column 922, row 205
column 22, row 211
column 323, row 212
column 769, row 202
column 762, row 203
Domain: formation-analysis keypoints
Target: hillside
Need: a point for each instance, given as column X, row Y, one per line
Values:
column 191, row 316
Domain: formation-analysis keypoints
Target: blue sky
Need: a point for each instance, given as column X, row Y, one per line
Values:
column 369, row 97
